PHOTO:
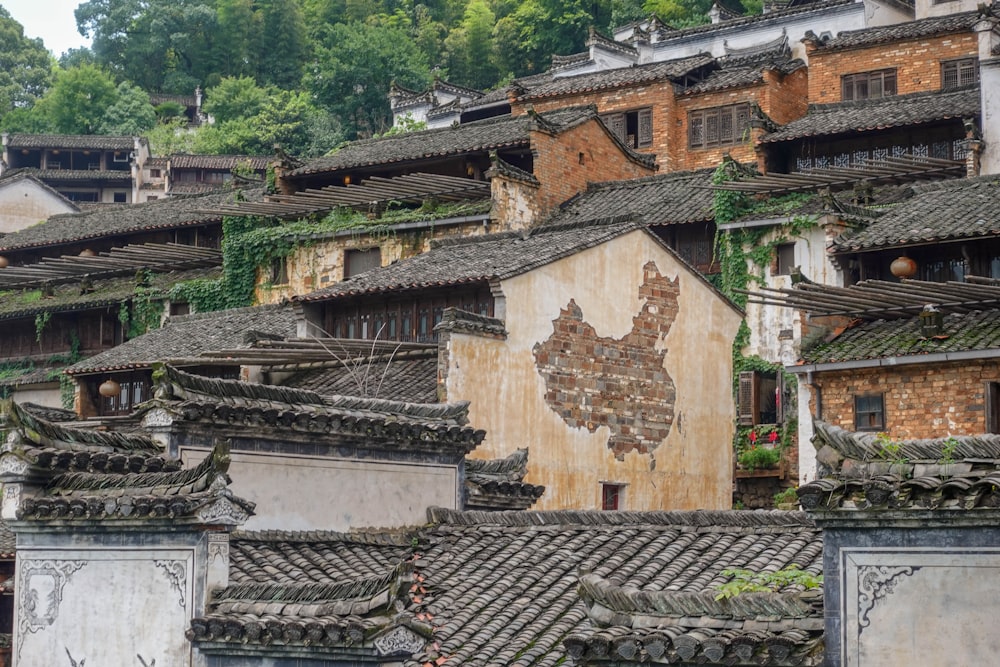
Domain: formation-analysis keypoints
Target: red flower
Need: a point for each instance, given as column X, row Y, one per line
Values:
column 753, row 436
column 773, row 437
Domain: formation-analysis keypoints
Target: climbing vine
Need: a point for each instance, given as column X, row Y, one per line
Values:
column 250, row 243
column 743, row 256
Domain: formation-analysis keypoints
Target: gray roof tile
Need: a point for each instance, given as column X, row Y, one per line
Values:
column 127, row 218
column 946, row 210
column 218, row 162
column 190, row 335
column 673, row 198
column 486, row 588
column 476, row 259
column 96, row 141
column 881, row 114
column 617, row 78
column 411, row 380
column 937, row 25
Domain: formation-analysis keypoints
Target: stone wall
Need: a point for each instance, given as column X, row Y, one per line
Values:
column 921, row 400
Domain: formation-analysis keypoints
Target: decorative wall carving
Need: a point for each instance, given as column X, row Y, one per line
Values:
column 876, row 582
column 399, row 641
column 593, row 382
column 40, row 587
column 176, row 573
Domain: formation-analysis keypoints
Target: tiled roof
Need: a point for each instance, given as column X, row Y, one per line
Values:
column 620, row 77
column 480, row 136
column 936, row 25
column 218, row 162
column 743, row 74
column 949, row 474
column 962, row 332
column 881, row 114
column 38, row 436
column 99, row 142
column 476, row 259
column 673, row 198
column 525, row 589
column 769, row 17
column 498, row 484
column 114, row 220
column 188, row 336
column 111, row 292
column 75, row 174
column 383, row 423
column 413, row 380
column 945, row 210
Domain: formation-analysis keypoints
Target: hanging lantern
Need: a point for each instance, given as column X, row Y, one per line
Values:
column 87, row 252
column 109, row 389
column 3, row 262
column 903, row 267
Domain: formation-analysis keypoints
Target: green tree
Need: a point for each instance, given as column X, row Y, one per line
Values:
column 470, row 48
column 285, row 32
column 25, row 66
column 239, row 35
column 78, row 100
column 233, row 98
column 354, row 69
column 130, row 114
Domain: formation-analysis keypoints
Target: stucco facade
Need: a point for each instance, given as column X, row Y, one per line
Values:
column 26, row 201
column 685, row 391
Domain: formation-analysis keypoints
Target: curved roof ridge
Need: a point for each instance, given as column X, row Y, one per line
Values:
column 693, row 518
column 44, row 433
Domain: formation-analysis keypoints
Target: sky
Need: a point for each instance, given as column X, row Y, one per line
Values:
column 52, row 20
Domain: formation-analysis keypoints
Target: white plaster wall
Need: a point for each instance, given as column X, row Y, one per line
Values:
column 691, row 469
column 24, row 203
column 320, row 493
column 43, row 394
column 103, row 606
column 927, row 8
column 989, row 73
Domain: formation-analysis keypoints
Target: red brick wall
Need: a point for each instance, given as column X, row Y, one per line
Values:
column 566, row 162
column 917, row 63
column 658, row 95
column 921, row 401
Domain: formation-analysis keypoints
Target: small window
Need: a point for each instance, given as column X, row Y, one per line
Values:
column 611, row 496
column 151, row 198
column 718, row 126
column 633, row 128
column 868, row 85
column 178, row 309
column 279, row 271
column 154, row 173
column 359, row 261
column 121, row 156
column 785, row 257
column 957, row 73
column 120, row 198
column 992, row 397
column 869, row 412
column 759, row 398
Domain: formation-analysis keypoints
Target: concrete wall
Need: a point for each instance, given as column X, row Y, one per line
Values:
column 24, row 202
column 688, row 388
column 298, row 492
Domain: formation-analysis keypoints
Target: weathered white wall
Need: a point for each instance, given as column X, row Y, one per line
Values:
column 926, row 8
column 318, row 493
column 989, row 82
column 103, row 606
column 42, row 394
column 691, row 468
column 24, row 202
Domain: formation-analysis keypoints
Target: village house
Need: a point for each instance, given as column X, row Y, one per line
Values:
column 26, row 201
column 438, row 106
column 82, row 168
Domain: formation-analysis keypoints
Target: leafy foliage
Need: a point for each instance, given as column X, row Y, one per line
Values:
column 756, row 458
column 747, row 581
column 25, row 66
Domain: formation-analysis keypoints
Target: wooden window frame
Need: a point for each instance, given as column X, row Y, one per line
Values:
column 356, row 254
column 859, row 86
column 634, row 127
column 750, row 392
column 876, row 420
column 718, row 126
column 955, row 69
column 783, row 266
column 611, row 496
column 991, row 399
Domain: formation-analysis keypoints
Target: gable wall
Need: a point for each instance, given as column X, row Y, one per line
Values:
column 921, row 400
column 566, row 162
column 659, row 95
column 917, row 63
column 25, row 203
column 579, row 382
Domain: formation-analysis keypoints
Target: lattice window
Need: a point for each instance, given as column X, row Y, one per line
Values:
column 718, row 126
column 899, row 151
column 859, row 157
column 803, row 163
column 868, row 85
column 842, row 160
column 880, row 154
column 958, row 149
column 957, row 73
column 822, row 162
column 939, row 149
column 645, row 128
column 920, row 150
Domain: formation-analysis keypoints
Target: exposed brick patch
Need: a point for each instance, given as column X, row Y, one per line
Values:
column 592, row 381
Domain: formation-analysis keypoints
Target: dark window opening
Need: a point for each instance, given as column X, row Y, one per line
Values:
column 957, row 73
column 279, row 271
column 785, row 259
column 868, row 85
column 759, row 398
column 992, row 397
column 154, row 173
column 869, row 412
column 80, row 196
column 177, row 309
column 611, row 496
column 120, row 197
column 359, row 261
column 633, row 128
column 134, row 390
column 718, row 126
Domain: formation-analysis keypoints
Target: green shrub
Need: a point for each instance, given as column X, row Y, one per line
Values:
column 759, row 457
